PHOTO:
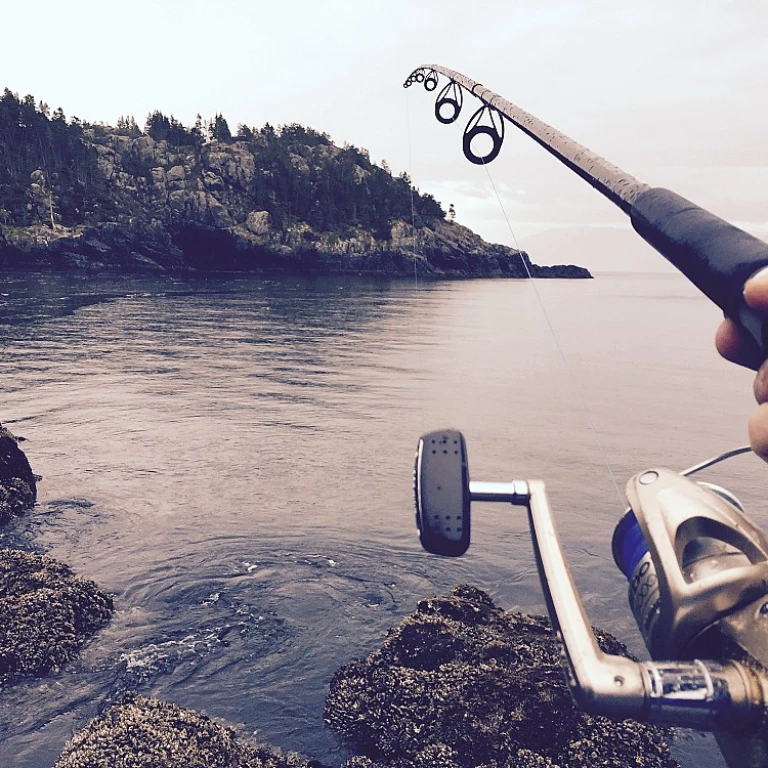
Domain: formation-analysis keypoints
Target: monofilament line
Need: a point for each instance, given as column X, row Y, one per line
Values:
column 410, row 174
column 413, row 226
column 568, row 371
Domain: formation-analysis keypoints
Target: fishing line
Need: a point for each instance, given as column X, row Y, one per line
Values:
column 413, row 228
column 578, row 392
column 410, row 173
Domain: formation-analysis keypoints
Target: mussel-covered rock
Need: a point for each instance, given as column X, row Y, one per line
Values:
column 141, row 732
column 463, row 684
column 46, row 614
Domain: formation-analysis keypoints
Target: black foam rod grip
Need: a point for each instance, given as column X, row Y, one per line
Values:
column 715, row 256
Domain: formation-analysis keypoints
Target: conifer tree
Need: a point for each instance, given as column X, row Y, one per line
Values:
column 220, row 129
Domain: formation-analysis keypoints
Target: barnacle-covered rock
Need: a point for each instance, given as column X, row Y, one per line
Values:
column 46, row 614
column 18, row 488
column 462, row 684
column 141, row 732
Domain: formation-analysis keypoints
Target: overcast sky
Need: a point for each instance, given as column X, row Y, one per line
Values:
column 673, row 91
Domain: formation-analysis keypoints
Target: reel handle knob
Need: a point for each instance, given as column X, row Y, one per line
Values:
column 441, row 490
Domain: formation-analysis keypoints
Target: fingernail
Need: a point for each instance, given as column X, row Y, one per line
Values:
column 761, row 276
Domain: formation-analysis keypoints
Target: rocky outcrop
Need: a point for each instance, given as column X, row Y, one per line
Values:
column 462, row 684
column 165, row 208
column 459, row 684
column 18, row 485
column 140, row 732
column 46, row 614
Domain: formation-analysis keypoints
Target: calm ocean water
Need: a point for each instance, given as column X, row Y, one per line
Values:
column 233, row 457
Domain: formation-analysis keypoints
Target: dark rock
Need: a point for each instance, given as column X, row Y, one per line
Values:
column 138, row 247
column 18, row 486
column 46, row 614
column 462, row 684
column 569, row 271
column 146, row 733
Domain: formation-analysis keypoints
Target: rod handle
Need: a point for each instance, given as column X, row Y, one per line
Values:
column 717, row 257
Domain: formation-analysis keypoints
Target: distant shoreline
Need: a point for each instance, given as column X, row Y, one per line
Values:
column 205, row 250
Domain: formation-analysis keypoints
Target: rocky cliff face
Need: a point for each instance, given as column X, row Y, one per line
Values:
column 214, row 206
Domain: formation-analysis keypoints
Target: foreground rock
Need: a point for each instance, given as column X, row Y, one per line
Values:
column 46, row 614
column 18, row 487
column 141, row 732
column 461, row 683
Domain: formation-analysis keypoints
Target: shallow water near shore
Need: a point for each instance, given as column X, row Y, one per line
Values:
column 232, row 458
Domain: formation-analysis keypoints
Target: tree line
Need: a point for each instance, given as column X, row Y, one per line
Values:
column 43, row 157
column 49, row 171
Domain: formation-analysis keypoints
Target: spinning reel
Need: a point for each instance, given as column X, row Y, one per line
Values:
column 697, row 569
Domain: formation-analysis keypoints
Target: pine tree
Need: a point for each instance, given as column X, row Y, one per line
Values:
column 244, row 132
column 158, row 126
column 219, row 130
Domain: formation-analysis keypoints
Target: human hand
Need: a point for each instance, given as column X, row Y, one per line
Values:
column 735, row 346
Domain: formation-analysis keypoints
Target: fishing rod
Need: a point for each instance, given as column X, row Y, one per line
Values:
column 697, row 567
column 717, row 257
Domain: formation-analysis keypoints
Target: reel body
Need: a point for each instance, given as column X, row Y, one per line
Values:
column 695, row 558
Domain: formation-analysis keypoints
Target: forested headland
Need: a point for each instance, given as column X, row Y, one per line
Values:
column 163, row 196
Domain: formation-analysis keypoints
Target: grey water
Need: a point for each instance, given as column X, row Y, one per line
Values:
column 232, row 459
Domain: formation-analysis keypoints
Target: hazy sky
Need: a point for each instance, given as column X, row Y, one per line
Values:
column 673, row 91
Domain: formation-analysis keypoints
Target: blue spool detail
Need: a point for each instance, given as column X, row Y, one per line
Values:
column 629, row 545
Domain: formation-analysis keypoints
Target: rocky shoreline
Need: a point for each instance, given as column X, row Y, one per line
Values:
column 47, row 613
column 139, row 732
column 448, row 251
column 462, row 684
column 458, row 684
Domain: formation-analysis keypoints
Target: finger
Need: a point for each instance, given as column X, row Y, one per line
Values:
column 734, row 345
column 760, row 384
column 758, row 431
column 756, row 291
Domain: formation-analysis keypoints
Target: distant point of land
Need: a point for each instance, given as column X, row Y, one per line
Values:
column 164, row 197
